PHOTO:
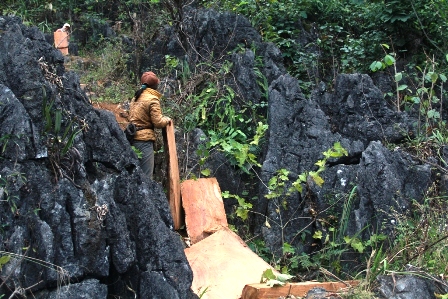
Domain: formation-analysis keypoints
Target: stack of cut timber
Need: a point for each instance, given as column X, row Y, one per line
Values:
column 223, row 266
column 300, row 289
column 61, row 41
column 204, row 208
column 222, row 263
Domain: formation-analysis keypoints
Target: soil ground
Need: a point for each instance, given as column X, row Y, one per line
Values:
column 117, row 109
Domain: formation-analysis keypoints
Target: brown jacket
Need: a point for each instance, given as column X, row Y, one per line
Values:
column 146, row 113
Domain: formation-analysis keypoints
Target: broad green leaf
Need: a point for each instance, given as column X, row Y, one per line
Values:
column 402, row 87
column 372, row 66
column 206, row 172
column 434, row 77
column 242, row 213
column 375, row 66
column 225, row 194
column 433, row 114
column 389, row 59
column 357, row 245
column 267, row 275
column 398, row 77
column 4, row 259
column 226, row 147
column 442, row 77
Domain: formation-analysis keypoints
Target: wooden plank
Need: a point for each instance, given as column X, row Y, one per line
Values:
column 173, row 181
column 222, row 265
column 61, row 41
column 300, row 289
column 204, row 208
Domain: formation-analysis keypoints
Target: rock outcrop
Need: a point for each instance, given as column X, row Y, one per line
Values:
column 352, row 112
column 76, row 210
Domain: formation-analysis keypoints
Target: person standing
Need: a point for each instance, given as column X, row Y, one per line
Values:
column 146, row 114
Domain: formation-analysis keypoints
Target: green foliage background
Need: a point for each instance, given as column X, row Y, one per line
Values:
column 318, row 38
column 348, row 34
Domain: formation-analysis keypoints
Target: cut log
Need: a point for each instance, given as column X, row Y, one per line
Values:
column 300, row 289
column 173, row 176
column 222, row 265
column 204, row 208
column 61, row 41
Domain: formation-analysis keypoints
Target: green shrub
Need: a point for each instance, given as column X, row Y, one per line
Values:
column 108, row 78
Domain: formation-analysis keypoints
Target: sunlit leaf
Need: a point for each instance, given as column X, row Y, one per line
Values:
column 267, row 275
column 317, row 178
column 206, row 172
column 317, row 234
column 357, row 245
column 4, row 259
column 389, row 60
column 284, row 277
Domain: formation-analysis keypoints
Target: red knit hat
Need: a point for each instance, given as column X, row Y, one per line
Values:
column 150, row 79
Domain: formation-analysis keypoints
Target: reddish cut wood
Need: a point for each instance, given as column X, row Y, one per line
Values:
column 204, row 208
column 61, row 41
column 173, row 181
column 300, row 289
column 222, row 265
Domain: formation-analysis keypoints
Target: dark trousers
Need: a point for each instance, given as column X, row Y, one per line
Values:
column 147, row 159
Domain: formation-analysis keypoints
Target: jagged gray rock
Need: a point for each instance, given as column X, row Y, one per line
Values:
column 87, row 289
column 356, row 109
column 84, row 214
column 408, row 287
column 353, row 112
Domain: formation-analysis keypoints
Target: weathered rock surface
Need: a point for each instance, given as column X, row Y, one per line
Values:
column 409, row 287
column 355, row 115
column 352, row 112
column 372, row 184
column 75, row 208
